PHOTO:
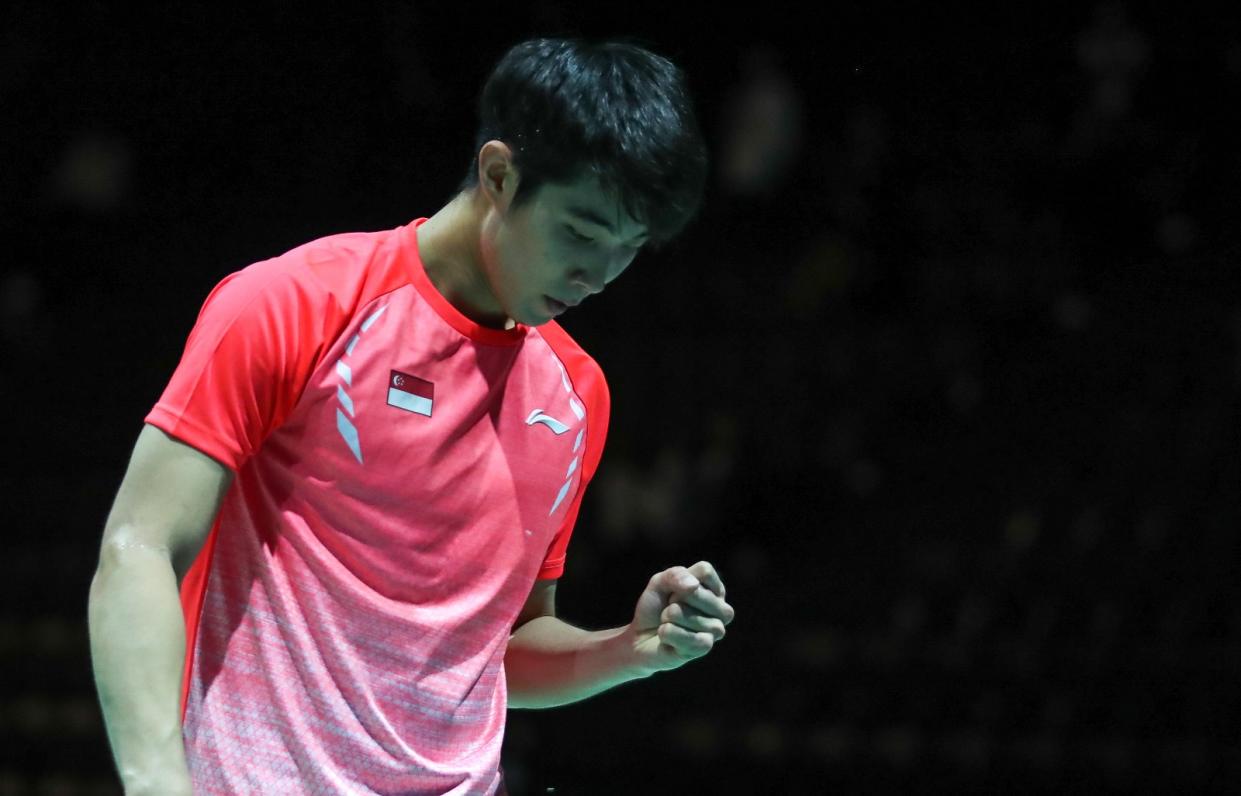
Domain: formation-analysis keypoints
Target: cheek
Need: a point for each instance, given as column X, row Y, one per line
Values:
column 513, row 267
column 506, row 253
column 533, row 260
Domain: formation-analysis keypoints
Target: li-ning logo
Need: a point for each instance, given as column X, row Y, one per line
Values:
column 555, row 425
column 573, row 474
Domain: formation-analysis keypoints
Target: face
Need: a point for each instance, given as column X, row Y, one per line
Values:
column 564, row 244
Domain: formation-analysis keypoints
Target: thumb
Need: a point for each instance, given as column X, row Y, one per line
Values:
column 662, row 588
column 672, row 582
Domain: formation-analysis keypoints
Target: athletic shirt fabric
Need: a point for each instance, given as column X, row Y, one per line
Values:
column 402, row 478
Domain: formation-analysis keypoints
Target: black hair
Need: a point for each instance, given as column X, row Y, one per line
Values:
column 570, row 109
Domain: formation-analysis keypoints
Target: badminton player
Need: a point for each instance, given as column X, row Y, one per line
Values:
column 331, row 564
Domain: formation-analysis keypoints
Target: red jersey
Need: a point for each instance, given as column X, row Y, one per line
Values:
column 403, row 476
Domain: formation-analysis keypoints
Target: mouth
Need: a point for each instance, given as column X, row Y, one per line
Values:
column 555, row 307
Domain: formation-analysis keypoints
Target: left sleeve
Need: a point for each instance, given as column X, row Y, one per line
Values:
column 588, row 383
column 247, row 359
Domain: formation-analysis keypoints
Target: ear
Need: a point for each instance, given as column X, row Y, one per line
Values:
column 497, row 175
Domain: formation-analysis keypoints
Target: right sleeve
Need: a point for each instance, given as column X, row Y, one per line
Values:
column 251, row 352
column 588, row 382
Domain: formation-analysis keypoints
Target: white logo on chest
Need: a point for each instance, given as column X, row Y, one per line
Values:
column 555, row 425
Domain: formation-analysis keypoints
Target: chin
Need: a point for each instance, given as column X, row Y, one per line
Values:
column 537, row 320
column 530, row 316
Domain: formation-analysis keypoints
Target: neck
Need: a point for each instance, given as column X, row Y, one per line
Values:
column 448, row 244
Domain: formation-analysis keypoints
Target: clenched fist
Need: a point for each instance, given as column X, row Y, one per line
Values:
column 680, row 616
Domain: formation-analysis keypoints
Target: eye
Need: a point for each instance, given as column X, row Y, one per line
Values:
column 577, row 236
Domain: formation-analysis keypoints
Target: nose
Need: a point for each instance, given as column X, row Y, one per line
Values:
column 595, row 276
column 591, row 283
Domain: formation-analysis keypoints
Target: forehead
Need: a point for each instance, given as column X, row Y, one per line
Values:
column 585, row 202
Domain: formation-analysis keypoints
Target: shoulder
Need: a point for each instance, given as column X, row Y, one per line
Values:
column 343, row 264
column 334, row 272
column 584, row 377
column 563, row 344
column 585, row 373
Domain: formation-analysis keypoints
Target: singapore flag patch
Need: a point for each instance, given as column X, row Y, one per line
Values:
column 410, row 393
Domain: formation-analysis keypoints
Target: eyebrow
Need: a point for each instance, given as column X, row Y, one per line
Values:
column 593, row 217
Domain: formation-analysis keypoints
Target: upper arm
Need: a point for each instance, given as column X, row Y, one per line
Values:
column 540, row 602
column 167, row 500
column 251, row 352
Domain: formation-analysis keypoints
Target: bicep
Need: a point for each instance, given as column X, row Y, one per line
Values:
column 540, row 602
column 167, row 500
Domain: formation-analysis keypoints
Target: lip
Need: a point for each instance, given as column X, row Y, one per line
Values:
column 555, row 306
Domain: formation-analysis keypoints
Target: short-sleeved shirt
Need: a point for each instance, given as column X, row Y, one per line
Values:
column 403, row 476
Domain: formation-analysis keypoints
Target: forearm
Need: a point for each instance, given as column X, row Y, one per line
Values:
column 137, row 638
column 550, row 662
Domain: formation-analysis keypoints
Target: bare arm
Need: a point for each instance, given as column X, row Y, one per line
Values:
column 163, row 512
column 679, row 617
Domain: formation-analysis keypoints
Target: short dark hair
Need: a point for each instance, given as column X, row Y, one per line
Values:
column 570, row 109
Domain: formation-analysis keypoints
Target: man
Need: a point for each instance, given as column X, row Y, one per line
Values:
column 364, row 473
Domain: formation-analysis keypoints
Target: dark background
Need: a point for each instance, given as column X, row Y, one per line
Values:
column 944, row 378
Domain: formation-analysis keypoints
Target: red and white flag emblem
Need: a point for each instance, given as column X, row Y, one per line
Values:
column 410, row 393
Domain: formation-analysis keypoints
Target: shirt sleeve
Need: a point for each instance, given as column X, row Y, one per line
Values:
column 590, row 385
column 250, row 354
